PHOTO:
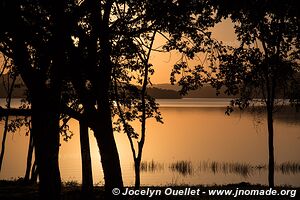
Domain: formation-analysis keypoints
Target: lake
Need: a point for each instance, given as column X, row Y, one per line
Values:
column 197, row 144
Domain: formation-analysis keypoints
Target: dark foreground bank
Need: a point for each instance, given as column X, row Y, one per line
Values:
column 16, row 190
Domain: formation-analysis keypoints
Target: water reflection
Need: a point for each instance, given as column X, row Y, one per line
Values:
column 245, row 170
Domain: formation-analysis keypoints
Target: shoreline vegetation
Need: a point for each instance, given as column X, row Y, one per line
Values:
column 17, row 190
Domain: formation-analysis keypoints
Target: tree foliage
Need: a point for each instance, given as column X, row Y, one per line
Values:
column 268, row 56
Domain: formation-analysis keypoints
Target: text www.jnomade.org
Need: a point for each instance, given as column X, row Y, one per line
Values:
column 150, row 192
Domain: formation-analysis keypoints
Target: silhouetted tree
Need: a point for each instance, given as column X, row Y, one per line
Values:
column 263, row 65
column 34, row 41
column 133, row 103
column 184, row 26
column 106, row 45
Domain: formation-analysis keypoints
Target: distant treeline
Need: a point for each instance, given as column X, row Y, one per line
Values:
column 20, row 90
column 206, row 91
column 19, row 87
column 158, row 91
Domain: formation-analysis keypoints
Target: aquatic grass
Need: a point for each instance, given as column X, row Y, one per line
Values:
column 288, row 168
column 245, row 170
column 151, row 166
column 183, row 167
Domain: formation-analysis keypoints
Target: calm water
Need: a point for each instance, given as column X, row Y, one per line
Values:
column 197, row 144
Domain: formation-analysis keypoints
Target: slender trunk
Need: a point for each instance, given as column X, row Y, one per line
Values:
column 270, row 97
column 45, row 130
column 270, row 107
column 87, row 176
column 271, row 85
column 29, row 159
column 3, row 141
column 137, row 170
column 34, row 173
column 271, row 147
column 128, row 133
column 144, row 118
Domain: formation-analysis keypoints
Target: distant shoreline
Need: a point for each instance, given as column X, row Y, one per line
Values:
column 158, row 91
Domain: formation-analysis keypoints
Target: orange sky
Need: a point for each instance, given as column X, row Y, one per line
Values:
column 163, row 62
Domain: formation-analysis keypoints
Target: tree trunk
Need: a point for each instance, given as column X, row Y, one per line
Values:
column 34, row 173
column 101, row 80
column 271, row 145
column 87, row 176
column 104, row 130
column 108, row 150
column 29, row 159
column 3, row 141
column 45, row 130
column 137, row 171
